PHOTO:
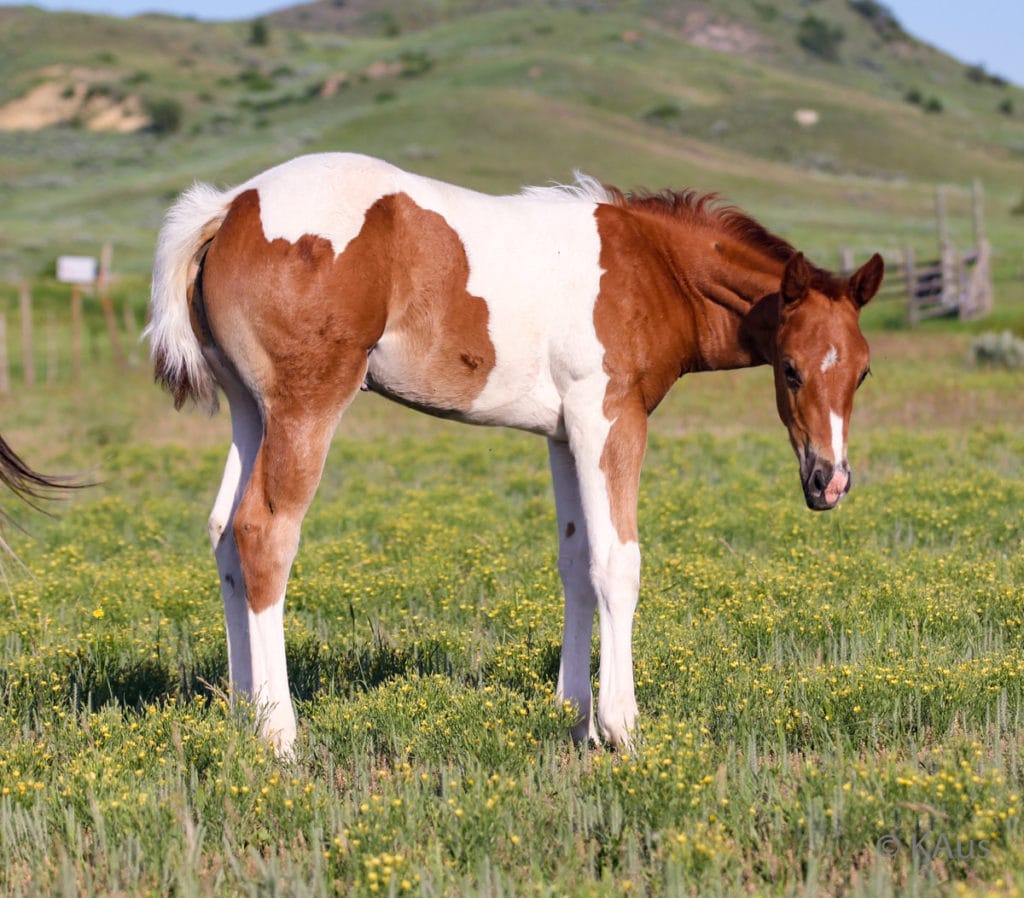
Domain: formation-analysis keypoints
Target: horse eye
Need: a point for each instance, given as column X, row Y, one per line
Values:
column 864, row 376
column 792, row 376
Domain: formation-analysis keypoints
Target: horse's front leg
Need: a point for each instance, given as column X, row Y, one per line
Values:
column 608, row 454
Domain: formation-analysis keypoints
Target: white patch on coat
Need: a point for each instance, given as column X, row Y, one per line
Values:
column 270, row 676
column 534, row 259
column 830, row 360
column 838, row 445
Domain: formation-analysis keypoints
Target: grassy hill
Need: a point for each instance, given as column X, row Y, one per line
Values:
column 494, row 95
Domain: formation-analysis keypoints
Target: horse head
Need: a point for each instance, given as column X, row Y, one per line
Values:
column 820, row 359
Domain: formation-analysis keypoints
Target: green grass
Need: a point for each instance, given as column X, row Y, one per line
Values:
column 808, row 683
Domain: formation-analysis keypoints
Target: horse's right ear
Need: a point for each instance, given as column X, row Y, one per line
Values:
column 796, row 280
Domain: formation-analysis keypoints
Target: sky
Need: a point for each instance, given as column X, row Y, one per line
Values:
column 986, row 32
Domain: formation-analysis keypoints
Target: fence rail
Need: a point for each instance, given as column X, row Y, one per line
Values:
column 49, row 346
column 956, row 283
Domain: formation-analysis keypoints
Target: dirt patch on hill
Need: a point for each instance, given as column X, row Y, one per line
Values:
column 68, row 96
column 703, row 29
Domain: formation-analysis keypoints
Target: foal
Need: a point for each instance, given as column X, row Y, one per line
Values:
column 565, row 311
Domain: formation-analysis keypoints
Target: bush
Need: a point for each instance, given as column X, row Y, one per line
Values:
column 255, row 79
column 992, row 350
column 259, row 33
column 976, row 73
column 979, row 75
column 164, row 113
column 664, row 114
column 818, row 37
column 415, row 63
column 881, row 19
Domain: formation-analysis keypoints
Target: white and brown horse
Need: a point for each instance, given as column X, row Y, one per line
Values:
column 565, row 311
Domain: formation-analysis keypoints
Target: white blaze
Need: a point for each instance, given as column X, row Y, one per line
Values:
column 831, row 357
column 838, row 446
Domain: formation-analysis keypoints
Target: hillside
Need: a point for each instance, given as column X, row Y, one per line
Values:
column 824, row 118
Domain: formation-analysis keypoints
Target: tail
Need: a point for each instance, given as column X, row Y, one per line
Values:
column 174, row 347
column 26, row 484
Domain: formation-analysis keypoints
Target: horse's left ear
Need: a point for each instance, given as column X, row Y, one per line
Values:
column 866, row 280
column 796, row 279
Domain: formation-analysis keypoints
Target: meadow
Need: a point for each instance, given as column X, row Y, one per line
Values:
column 832, row 703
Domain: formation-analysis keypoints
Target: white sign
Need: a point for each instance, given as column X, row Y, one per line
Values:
column 77, row 269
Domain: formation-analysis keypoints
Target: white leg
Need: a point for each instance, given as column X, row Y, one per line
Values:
column 246, row 434
column 608, row 456
column 617, row 581
column 270, row 676
column 580, row 598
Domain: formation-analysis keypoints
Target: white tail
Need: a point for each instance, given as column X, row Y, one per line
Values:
column 177, row 356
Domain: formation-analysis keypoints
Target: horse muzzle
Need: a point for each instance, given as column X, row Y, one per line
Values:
column 825, row 483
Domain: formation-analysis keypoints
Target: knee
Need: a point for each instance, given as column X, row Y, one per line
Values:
column 617, row 571
column 216, row 526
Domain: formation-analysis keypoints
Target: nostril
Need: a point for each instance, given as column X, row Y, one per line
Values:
column 819, row 480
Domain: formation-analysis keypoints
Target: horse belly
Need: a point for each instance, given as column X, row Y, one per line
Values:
column 519, row 396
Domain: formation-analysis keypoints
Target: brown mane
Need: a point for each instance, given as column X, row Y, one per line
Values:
column 705, row 208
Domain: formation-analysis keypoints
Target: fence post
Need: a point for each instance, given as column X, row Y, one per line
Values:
column 979, row 283
column 947, row 254
column 908, row 262
column 76, row 333
column 103, row 288
column 51, row 348
column 28, row 359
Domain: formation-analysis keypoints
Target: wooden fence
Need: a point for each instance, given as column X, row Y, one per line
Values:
column 49, row 346
column 956, row 283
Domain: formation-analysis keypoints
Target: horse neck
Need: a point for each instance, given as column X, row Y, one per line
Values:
column 724, row 280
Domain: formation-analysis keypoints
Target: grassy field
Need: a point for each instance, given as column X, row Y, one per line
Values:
column 832, row 704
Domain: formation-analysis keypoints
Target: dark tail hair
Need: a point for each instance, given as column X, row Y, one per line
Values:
column 28, row 485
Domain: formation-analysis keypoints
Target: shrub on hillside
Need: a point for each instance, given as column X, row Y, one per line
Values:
column 992, row 350
column 259, row 33
column 819, row 37
column 881, row 19
column 915, row 97
column 164, row 113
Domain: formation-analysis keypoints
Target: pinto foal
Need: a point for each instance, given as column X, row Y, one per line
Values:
column 565, row 311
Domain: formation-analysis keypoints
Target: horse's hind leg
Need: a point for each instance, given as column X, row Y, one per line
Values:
column 265, row 527
column 246, row 435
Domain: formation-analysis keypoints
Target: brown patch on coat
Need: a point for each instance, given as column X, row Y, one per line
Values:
column 404, row 277
column 680, row 274
column 298, row 323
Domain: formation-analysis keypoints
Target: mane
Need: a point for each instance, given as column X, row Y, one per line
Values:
column 706, row 209
column 690, row 206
